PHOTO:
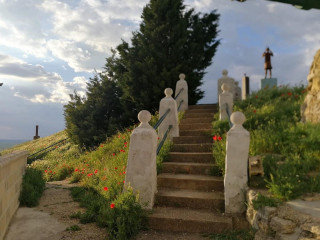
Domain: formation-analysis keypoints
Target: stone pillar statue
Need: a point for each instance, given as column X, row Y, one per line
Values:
column 141, row 173
column 225, row 98
column 182, row 84
column 228, row 80
column 236, row 165
column 171, row 119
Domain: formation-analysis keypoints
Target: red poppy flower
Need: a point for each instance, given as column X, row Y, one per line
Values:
column 101, row 145
column 256, row 96
column 124, row 172
column 215, row 138
column 125, row 143
column 105, row 188
column 282, row 94
column 113, row 154
column 90, row 174
column 115, row 168
column 289, row 93
column 122, row 150
column 219, row 138
column 76, row 170
column 50, row 171
column 45, row 171
column 254, row 111
column 112, row 205
column 96, row 171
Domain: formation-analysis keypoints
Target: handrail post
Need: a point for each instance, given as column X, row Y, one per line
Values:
column 225, row 99
column 141, row 172
column 181, row 93
column 236, row 165
column 172, row 118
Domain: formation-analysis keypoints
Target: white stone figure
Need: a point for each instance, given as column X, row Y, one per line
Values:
column 141, row 173
column 236, row 165
column 182, row 83
column 226, row 97
column 237, row 89
column 226, row 79
column 171, row 119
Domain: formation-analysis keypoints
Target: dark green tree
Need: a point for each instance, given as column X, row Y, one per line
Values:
column 91, row 119
column 171, row 40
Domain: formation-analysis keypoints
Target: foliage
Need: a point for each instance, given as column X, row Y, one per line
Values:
column 234, row 235
column 290, row 148
column 262, row 201
column 32, row 188
column 171, row 40
column 89, row 120
column 163, row 154
column 123, row 215
column 73, row 228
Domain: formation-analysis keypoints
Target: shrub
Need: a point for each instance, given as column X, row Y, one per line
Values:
column 123, row 216
column 262, row 201
column 32, row 188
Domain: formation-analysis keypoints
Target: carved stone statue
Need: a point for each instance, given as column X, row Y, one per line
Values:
column 310, row 109
column 228, row 80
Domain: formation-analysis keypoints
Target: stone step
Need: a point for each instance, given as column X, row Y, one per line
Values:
column 192, row 139
column 195, row 126
column 195, row 157
column 190, row 182
column 186, row 220
column 198, row 115
column 187, row 168
column 205, row 147
column 198, row 132
column 203, row 106
column 202, row 110
column 213, row 201
column 196, row 120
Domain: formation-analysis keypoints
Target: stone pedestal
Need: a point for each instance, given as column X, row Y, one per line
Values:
column 245, row 87
column 236, row 176
column 171, row 119
column 268, row 83
column 141, row 173
column 182, row 84
column 225, row 98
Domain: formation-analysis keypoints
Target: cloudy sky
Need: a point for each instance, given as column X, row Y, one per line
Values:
column 49, row 48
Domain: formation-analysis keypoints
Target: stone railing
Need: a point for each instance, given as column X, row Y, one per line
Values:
column 12, row 168
column 141, row 173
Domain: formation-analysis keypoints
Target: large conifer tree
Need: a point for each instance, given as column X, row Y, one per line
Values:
column 171, row 40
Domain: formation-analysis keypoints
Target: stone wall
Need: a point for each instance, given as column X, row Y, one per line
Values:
column 281, row 223
column 12, row 167
column 310, row 109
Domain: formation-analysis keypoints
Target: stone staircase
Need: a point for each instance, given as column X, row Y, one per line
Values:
column 188, row 198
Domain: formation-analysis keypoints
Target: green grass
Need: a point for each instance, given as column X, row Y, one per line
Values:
column 73, row 228
column 32, row 187
column 290, row 148
column 234, row 235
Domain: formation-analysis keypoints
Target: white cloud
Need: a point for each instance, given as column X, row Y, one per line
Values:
column 41, row 86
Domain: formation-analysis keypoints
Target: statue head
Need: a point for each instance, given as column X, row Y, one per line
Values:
column 224, row 72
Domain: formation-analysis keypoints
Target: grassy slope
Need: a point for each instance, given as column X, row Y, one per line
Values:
column 290, row 148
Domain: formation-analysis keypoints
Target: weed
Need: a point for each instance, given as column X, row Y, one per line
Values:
column 73, row 228
column 262, row 201
column 234, row 235
column 32, row 188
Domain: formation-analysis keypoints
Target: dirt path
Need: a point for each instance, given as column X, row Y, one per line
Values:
column 51, row 219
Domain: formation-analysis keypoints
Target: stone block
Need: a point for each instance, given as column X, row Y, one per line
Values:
column 293, row 236
column 282, row 226
column 267, row 83
column 312, row 227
